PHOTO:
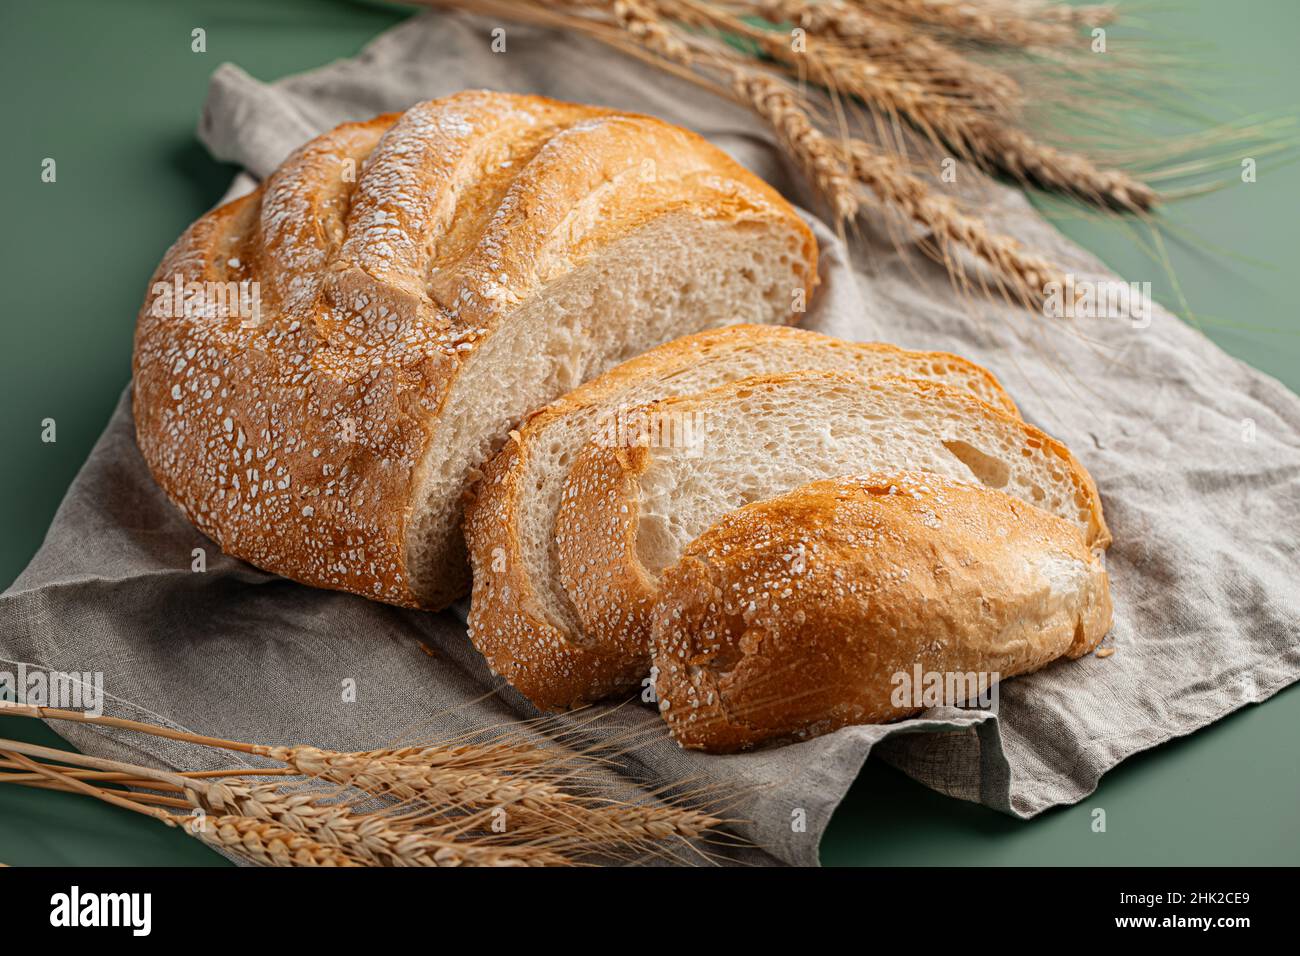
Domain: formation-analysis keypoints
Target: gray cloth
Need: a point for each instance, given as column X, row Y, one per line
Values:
column 1197, row 457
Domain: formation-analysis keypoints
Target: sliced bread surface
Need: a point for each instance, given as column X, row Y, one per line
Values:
column 627, row 513
column 521, row 619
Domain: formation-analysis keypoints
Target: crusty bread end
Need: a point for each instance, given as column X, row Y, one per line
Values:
column 795, row 616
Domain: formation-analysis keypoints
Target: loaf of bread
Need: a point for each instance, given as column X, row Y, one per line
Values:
column 794, row 616
column 321, row 366
column 522, row 619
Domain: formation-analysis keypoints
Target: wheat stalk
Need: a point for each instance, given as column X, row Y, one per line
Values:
column 941, row 67
column 913, row 62
column 948, row 114
column 1017, row 153
column 431, row 805
column 938, row 66
column 377, row 838
column 776, row 102
column 1028, row 274
column 265, row 842
column 954, row 101
column 541, row 804
column 1003, row 23
column 771, row 98
column 258, row 840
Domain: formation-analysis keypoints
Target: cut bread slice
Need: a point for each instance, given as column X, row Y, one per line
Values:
column 521, row 619
column 795, row 616
column 626, row 513
column 641, row 291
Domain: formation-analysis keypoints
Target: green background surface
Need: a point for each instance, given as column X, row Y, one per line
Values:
column 113, row 92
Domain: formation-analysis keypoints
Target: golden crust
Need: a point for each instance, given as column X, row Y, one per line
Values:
column 551, row 666
column 795, row 616
column 384, row 253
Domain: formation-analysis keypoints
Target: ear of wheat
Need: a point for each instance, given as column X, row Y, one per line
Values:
column 509, row 800
column 849, row 87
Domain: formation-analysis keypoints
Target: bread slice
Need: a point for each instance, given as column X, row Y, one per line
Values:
column 520, row 618
column 820, row 608
column 626, row 513
column 421, row 282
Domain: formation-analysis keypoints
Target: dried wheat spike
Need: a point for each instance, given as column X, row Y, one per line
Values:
column 541, row 806
column 266, row 842
column 1018, row 154
column 990, row 142
column 503, row 756
column 940, row 215
column 374, row 838
column 1004, row 23
column 767, row 95
column 773, row 100
column 921, row 55
column 642, row 22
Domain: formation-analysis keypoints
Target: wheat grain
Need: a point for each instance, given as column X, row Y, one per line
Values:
column 642, row 22
column 1003, row 23
column 507, row 757
column 912, row 61
column 262, row 841
column 928, row 60
column 771, row 98
column 941, row 104
column 542, row 806
column 989, row 141
column 461, row 788
column 376, row 838
column 1017, row 153
column 776, row 103
column 948, row 225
